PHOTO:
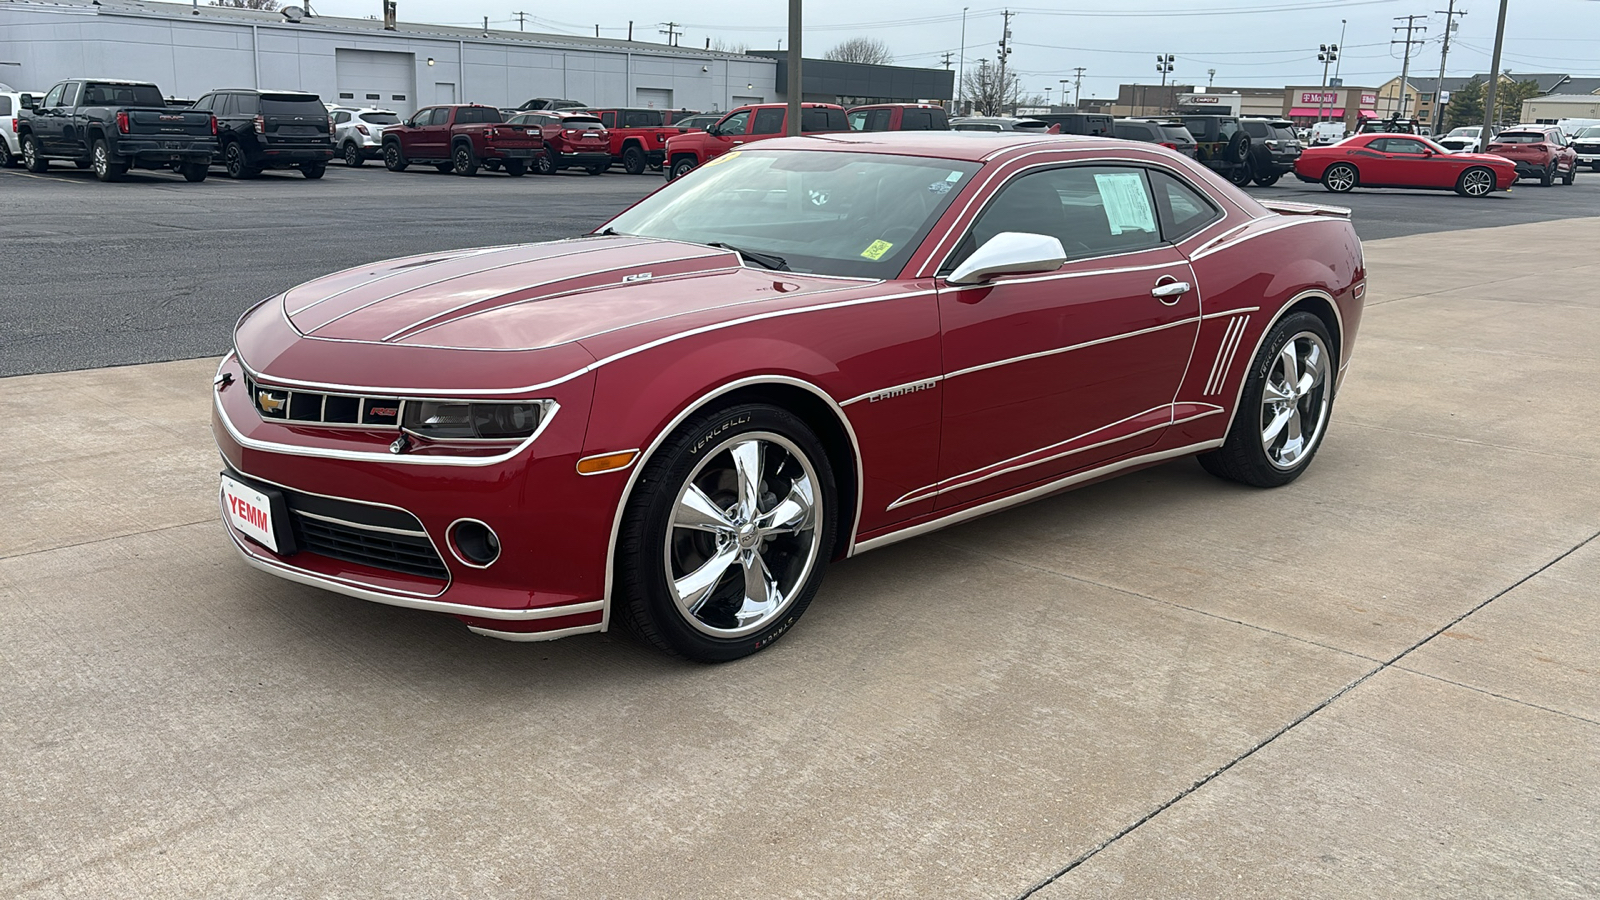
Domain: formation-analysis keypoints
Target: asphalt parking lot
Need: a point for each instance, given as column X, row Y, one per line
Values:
column 156, row 269
column 1377, row 682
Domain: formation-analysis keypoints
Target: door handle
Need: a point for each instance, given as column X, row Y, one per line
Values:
column 737, row 143
column 1170, row 292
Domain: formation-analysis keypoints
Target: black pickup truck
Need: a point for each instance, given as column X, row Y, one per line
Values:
column 111, row 126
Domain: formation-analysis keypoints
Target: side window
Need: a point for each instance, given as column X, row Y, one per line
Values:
column 1257, row 130
column 608, row 119
column 1183, row 210
column 878, row 120
column 916, row 120
column 339, row 118
column 769, row 121
column 1402, row 145
column 858, row 121
column 5, row 105
column 735, row 123
column 1092, row 210
column 245, row 104
column 52, row 99
column 204, row 103
column 69, row 97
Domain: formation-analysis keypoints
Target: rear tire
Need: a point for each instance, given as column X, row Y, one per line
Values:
column 595, row 169
column 100, row 161
column 1241, row 173
column 463, row 161
column 686, row 567
column 235, row 163
column 1571, row 176
column 31, row 160
column 1476, row 182
column 1548, row 177
column 516, row 168
column 314, row 170
column 353, row 156
column 1268, row 180
column 394, row 159
column 1296, row 419
column 1340, row 178
column 196, row 172
column 633, row 160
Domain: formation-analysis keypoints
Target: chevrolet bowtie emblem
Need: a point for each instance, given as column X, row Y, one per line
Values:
column 268, row 402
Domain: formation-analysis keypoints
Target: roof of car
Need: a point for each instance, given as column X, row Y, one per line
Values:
column 970, row 146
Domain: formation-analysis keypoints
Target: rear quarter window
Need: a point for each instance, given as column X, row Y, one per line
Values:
column 823, row 120
column 5, row 106
column 1257, row 130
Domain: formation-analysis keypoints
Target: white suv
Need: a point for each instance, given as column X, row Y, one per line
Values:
column 358, row 133
column 10, row 107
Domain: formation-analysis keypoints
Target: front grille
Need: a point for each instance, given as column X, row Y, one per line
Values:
column 378, row 536
column 312, row 408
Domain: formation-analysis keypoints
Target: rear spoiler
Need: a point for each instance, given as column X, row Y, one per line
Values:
column 1291, row 208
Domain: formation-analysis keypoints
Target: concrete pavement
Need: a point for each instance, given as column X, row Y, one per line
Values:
column 1379, row 681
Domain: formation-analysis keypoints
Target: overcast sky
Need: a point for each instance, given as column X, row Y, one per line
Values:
column 1263, row 43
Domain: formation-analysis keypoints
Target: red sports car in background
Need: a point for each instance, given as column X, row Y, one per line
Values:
column 1403, row 161
column 793, row 354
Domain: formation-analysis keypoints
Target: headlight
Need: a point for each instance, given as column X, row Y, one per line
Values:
column 452, row 421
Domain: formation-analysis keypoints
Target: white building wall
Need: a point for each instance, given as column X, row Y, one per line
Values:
column 188, row 56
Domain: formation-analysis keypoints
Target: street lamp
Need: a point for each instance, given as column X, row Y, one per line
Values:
column 961, row 67
column 1211, row 76
column 1327, row 54
column 1164, row 66
column 1064, row 90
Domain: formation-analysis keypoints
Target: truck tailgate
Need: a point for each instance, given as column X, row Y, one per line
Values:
column 169, row 122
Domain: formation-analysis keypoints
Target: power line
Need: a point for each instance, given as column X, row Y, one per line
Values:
column 522, row 19
column 672, row 31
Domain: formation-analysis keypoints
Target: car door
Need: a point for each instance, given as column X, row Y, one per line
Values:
column 1053, row 373
column 729, row 134
column 47, row 120
column 430, row 136
column 1408, row 161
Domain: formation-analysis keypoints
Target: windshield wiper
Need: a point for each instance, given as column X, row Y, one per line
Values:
column 765, row 260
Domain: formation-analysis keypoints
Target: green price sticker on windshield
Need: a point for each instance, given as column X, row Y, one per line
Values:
column 877, row 250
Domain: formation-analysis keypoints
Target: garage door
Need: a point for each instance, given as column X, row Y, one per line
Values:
column 377, row 78
column 653, row 98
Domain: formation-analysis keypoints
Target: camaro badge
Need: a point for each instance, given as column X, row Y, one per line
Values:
column 268, row 402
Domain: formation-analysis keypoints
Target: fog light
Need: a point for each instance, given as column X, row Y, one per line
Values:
column 474, row 543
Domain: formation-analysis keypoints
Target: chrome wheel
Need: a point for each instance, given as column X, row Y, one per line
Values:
column 1477, row 182
column 1340, row 178
column 100, row 160
column 743, row 535
column 1294, row 401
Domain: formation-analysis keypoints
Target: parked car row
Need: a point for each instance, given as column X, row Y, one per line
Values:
column 1414, row 161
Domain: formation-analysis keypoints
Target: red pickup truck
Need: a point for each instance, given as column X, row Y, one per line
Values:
column 638, row 137
column 459, row 139
column 744, row 125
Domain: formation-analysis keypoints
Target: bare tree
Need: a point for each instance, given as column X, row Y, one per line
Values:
column 729, row 46
column 989, row 97
column 861, row 50
column 268, row 5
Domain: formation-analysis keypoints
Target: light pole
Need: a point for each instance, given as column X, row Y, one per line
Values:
column 1211, row 77
column 1327, row 55
column 1489, row 112
column 794, row 69
column 1064, row 90
column 1164, row 66
column 961, row 68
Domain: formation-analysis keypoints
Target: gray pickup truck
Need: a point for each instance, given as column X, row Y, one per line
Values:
column 111, row 126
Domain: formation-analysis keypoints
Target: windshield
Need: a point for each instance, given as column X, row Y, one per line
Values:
column 1593, row 131
column 1284, row 133
column 1468, row 131
column 823, row 212
column 383, row 118
column 1520, row 137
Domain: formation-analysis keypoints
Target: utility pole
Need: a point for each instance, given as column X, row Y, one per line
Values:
column 1327, row 53
column 1444, row 53
column 1489, row 112
column 1077, row 85
column 670, row 29
column 522, row 19
column 795, row 85
column 983, row 87
column 1342, row 26
column 950, row 53
column 961, row 69
column 1405, row 67
column 1005, row 51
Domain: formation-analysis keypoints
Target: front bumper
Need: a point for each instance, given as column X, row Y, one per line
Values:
column 549, row 580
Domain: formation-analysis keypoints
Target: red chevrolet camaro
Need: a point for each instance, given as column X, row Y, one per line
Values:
column 792, row 355
column 1403, row 161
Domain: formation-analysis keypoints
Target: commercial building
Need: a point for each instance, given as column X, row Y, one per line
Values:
column 1552, row 109
column 1306, row 104
column 855, row 84
column 188, row 50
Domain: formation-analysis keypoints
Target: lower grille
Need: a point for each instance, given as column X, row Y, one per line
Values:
column 412, row 554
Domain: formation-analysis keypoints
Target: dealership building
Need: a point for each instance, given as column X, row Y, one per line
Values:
column 190, row 49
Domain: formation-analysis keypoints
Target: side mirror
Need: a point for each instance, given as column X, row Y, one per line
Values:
column 1428, row 151
column 29, row 101
column 1010, row 253
column 714, row 128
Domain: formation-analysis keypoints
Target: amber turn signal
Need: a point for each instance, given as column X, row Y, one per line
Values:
column 610, row 462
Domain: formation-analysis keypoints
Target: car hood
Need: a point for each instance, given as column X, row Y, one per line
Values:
column 531, row 296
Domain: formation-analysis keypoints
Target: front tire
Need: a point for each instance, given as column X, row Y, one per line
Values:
column 196, row 172
column 516, row 168
column 1241, row 173
column 727, row 534
column 680, row 168
column 31, row 160
column 1340, row 178
column 595, row 169
column 1268, row 180
column 545, row 164
column 393, row 158
column 352, row 156
column 1475, row 182
column 314, row 170
column 1284, row 407
column 633, row 160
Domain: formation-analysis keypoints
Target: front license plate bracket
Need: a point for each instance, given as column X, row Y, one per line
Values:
column 246, row 494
